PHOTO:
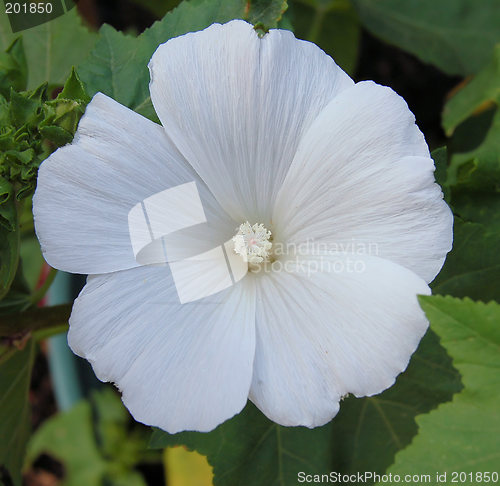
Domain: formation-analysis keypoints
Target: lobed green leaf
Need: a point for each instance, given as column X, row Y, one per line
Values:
column 369, row 432
column 461, row 435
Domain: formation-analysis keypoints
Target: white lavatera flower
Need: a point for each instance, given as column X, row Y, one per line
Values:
column 275, row 135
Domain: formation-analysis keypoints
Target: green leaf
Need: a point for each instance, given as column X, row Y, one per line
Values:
column 32, row 128
column 13, row 68
column 15, row 376
column 118, row 64
column 331, row 24
column 251, row 450
column 482, row 90
column 457, row 36
column 461, row 435
column 472, row 115
column 17, row 298
column 66, row 110
column 472, row 268
column 7, row 217
column 478, row 169
column 25, row 109
column 53, row 47
column 57, row 135
column 440, row 157
column 32, row 260
column 74, row 89
column 368, row 432
column 265, row 14
column 9, row 237
column 474, row 172
column 6, row 36
column 92, row 442
column 118, row 67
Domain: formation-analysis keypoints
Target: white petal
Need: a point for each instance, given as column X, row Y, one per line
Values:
column 86, row 190
column 179, row 366
column 236, row 107
column 323, row 334
column 363, row 174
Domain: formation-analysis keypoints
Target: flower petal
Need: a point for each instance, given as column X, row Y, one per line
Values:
column 236, row 107
column 349, row 326
column 179, row 366
column 362, row 174
column 87, row 189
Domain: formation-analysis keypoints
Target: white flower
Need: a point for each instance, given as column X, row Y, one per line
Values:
column 275, row 135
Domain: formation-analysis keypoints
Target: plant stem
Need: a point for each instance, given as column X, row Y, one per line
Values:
column 35, row 319
column 39, row 294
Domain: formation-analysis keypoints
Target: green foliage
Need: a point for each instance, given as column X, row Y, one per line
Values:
column 92, row 442
column 265, row 14
column 9, row 236
column 461, row 435
column 32, row 126
column 472, row 269
column 473, row 117
column 13, row 68
column 20, row 263
column 17, row 299
column 251, row 450
column 118, row 64
column 52, row 47
column 15, row 375
column 118, row 67
column 386, row 423
column 31, row 256
column 483, row 89
column 457, row 36
column 474, row 172
column 331, row 24
column 473, row 186
column 477, row 168
column 440, row 157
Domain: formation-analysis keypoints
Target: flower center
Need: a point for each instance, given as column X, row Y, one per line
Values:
column 252, row 243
